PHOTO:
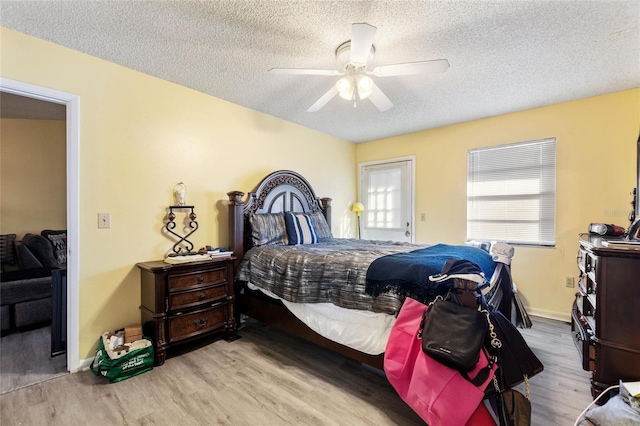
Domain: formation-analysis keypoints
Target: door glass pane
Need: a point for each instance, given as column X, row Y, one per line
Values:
column 384, row 199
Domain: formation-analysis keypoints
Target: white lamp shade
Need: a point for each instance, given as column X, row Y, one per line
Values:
column 345, row 88
column 365, row 86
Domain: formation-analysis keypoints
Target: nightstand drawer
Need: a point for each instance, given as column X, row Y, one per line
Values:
column 199, row 322
column 197, row 279
column 195, row 297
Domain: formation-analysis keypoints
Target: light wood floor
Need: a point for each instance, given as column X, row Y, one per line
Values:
column 269, row 378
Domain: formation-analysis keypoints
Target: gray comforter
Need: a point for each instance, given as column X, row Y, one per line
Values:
column 333, row 271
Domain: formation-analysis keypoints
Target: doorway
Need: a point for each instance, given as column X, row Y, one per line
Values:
column 387, row 192
column 71, row 103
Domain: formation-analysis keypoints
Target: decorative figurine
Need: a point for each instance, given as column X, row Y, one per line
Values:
column 180, row 192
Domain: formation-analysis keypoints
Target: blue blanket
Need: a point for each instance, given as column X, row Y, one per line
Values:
column 408, row 273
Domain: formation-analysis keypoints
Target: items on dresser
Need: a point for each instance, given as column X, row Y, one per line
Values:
column 186, row 302
column 606, row 229
column 633, row 234
column 183, row 246
column 605, row 314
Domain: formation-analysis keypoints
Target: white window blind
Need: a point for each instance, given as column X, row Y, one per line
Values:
column 511, row 193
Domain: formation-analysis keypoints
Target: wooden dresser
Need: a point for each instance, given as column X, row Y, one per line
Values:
column 606, row 313
column 185, row 302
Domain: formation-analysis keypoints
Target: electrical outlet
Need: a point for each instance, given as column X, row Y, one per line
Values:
column 423, row 217
column 104, row 220
column 569, row 282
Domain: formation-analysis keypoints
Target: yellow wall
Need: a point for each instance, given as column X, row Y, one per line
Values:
column 596, row 169
column 33, row 176
column 139, row 136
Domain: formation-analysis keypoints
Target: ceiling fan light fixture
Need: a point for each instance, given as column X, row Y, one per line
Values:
column 352, row 59
column 345, row 88
column 365, row 86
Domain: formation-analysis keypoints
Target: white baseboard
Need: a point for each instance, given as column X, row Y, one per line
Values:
column 564, row 317
column 83, row 365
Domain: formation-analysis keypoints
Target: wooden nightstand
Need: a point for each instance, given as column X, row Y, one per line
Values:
column 185, row 302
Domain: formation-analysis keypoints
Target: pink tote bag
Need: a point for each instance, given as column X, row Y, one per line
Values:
column 438, row 394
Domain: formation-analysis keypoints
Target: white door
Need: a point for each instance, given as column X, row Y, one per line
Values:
column 386, row 190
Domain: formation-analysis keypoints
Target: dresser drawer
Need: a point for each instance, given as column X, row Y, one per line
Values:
column 188, row 299
column 581, row 334
column 195, row 323
column 592, row 265
column 197, row 279
column 581, row 259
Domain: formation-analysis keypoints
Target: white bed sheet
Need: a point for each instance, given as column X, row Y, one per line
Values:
column 364, row 331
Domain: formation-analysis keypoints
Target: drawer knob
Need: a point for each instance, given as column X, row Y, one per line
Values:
column 201, row 296
column 200, row 322
column 200, row 279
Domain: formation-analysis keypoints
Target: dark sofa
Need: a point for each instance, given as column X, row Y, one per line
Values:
column 25, row 280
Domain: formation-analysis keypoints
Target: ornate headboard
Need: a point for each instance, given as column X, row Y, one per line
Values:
column 281, row 191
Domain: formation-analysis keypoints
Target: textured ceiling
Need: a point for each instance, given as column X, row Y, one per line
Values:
column 505, row 56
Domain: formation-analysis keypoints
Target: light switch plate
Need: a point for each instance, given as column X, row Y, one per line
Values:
column 104, row 220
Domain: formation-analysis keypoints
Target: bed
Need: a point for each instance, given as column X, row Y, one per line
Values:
column 277, row 283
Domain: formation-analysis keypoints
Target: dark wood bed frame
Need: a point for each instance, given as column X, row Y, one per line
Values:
column 280, row 191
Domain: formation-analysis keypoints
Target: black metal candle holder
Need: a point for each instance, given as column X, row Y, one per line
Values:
column 183, row 240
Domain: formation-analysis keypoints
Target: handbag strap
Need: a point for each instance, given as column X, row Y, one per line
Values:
column 424, row 314
column 441, row 297
column 527, row 391
column 495, row 342
column 483, row 374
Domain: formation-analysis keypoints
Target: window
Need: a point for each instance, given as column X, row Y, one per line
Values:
column 383, row 198
column 386, row 190
column 511, row 193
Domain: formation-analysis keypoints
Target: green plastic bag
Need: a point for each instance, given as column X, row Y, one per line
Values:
column 128, row 364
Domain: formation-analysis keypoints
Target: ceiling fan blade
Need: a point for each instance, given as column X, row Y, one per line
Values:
column 361, row 41
column 379, row 99
column 323, row 99
column 303, row 71
column 409, row 68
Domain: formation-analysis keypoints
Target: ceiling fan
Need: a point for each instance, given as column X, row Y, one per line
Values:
column 351, row 63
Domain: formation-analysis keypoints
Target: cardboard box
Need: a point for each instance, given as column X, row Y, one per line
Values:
column 132, row 333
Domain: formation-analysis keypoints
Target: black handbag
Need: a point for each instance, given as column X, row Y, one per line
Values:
column 511, row 407
column 514, row 408
column 453, row 334
column 516, row 360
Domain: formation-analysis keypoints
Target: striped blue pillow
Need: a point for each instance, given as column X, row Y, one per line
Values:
column 299, row 229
